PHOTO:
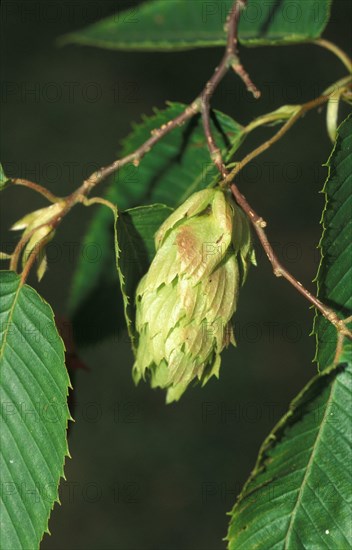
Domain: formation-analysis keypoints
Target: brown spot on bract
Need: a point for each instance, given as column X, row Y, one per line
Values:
column 186, row 243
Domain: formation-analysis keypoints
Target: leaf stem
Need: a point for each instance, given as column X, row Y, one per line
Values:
column 98, row 200
column 276, row 137
column 36, row 187
column 343, row 57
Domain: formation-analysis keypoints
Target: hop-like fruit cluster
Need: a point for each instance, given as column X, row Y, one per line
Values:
column 187, row 299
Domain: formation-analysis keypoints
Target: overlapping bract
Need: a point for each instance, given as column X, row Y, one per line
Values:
column 187, row 299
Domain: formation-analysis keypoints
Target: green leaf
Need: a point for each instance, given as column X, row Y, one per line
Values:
column 34, row 386
column 283, row 22
column 4, row 180
column 135, row 230
column 175, row 167
column 181, row 25
column 334, row 277
column 299, row 491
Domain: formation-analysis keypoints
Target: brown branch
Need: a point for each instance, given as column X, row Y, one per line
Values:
column 244, row 76
column 135, row 157
column 201, row 104
column 278, row 269
column 230, row 59
column 258, row 223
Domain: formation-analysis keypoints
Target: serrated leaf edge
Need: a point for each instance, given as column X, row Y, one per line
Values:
column 69, row 385
column 324, row 230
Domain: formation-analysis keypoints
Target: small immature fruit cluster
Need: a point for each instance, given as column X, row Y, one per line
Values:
column 38, row 230
column 187, row 299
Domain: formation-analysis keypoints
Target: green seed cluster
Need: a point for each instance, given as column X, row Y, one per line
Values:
column 187, row 299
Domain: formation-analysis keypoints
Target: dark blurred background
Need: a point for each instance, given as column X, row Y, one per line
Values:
column 145, row 476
